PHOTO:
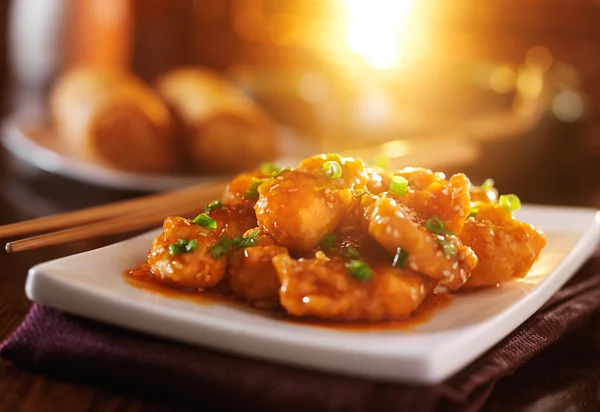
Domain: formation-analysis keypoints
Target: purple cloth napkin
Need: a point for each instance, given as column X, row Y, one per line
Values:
column 49, row 341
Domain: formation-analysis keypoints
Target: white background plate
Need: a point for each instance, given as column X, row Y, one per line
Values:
column 91, row 284
column 32, row 143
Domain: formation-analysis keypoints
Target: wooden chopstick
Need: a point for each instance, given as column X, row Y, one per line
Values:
column 192, row 203
column 104, row 212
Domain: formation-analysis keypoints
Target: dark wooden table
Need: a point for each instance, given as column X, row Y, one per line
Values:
column 559, row 379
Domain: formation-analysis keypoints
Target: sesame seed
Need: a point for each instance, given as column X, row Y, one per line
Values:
column 446, row 273
column 454, row 265
column 461, row 212
column 388, row 230
column 439, row 253
column 445, row 191
column 455, row 208
column 396, row 233
column 330, row 205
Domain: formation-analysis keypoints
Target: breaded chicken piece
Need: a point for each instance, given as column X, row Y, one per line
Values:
column 395, row 225
column 233, row 221
column 251, row 275
column 449, row 200
column 187, row 269
column 420, row 178
column 506, row 248
column 300, row 206
column 325, row 289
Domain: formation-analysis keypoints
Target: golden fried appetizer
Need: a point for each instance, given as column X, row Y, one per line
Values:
column 242, row 191
column 112, row 118
column 378, row 181
column 251, row 275
column 181, row 255
column 506, row 248
column 336, row 240
column 352, row 290
column 299, row 207
column 221, row 129
column 420, row 178
column 449, row 200
column 430, row 248
column 232, row 221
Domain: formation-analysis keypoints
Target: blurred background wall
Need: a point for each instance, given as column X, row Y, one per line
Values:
column 522, row 78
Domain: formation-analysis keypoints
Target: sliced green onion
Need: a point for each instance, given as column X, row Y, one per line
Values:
column 352, row 253
column 435, row 225
column 383, row 162
column 182, row 242
column 488, row 184
column 252, row 191
column 222, row 247
column 358, row 192
column 474, row 211
column 204, row 220
column 191, row 245
column 359, row 270
column 398, row 185
column 281, row 171
column 329, row 241
column 176, row 249
column 251, row 240
column 268, row 168
column 400, row 259
column 332, row 169
column 447, row 246
column 215, row 204
column 510, row 202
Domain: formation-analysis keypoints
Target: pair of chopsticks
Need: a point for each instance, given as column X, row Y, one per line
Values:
column 114, row 218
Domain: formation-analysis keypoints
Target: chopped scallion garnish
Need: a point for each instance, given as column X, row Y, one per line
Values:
column 281, row 171
column 216, row 204
column 252, row 191
column 352, row 253
column 435, row 225
column 382, row 162
column 398, row 185
column 204, row 220
column 176, row 249
column 474, row 211
column 329, row 241
column 251, row 240
column 488, row 184
column 358, row 192
column 359, row 270
column 400, row 258
column 332, row 169
column 268, row 168
column 510, row 202
column 447, row 246
column 222, row 247
column 191, row 245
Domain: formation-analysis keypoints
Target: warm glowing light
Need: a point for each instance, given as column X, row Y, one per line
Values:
column 380, row 30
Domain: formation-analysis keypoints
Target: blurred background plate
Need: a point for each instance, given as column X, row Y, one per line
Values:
column 34, row 143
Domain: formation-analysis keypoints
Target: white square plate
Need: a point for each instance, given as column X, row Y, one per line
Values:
column 92, row 285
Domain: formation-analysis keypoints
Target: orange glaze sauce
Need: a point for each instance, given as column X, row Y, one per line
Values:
column 141, row 278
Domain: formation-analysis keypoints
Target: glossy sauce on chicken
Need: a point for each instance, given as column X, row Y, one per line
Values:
column 336, row 240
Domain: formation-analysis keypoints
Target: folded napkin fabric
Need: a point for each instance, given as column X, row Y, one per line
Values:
column 69, row 347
